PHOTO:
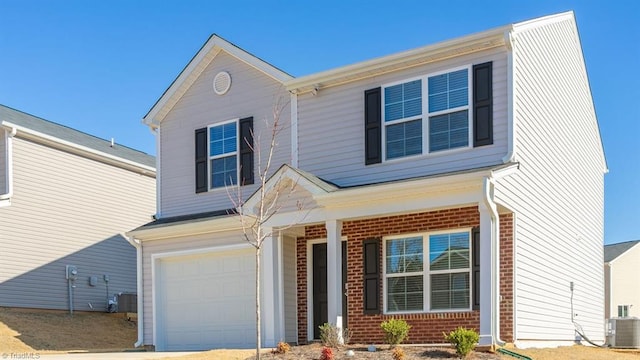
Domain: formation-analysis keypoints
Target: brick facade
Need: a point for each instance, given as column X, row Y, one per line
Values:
column 426, row 327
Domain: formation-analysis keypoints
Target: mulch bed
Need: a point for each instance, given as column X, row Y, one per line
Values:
column 314, row 351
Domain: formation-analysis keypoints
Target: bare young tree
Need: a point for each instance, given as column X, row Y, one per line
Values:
column 268, row 202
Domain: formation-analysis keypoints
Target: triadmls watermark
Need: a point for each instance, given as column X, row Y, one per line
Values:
column 25, row 355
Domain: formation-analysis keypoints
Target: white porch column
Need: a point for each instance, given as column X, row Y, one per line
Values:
column 486, row 274
column 269, row 286
column 334, row 273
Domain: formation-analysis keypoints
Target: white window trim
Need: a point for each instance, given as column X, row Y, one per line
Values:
column 426, row 272
column 236, row 153
column 468, row 107
column 425, row 114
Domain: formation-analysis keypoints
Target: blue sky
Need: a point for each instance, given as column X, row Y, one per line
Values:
column 98, row 66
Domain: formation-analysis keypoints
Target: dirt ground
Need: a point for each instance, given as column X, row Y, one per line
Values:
column 308, row 352
column 313, row 351
column 27, row 330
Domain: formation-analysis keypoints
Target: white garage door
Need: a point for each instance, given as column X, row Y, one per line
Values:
column 207, row 301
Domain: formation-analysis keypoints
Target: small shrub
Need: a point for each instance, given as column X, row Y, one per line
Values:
column 398, row 354
column 282, row 348
column 327, row 354
column 464, row 340
column 329, row 335
column 395, row 331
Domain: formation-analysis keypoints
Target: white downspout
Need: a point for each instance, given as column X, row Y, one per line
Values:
column 5, row 199
column 511, row 104
column 495, row 263
column 489, row 187
column 136, row 243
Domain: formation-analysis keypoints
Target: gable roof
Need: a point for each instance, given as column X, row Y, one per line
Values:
column 485, row 40
column 65, row 137
column 211, row 48
column 613, row 251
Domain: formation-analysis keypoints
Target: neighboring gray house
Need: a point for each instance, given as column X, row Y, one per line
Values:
column 65, row 199
column 621, row 281
column 482, row 150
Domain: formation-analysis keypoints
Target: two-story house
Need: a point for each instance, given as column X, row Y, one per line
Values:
column 457, row 184
column 66, row 198
column 621, row 291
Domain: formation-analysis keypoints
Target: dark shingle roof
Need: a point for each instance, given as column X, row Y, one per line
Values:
column 74, row 136
column 612, row 251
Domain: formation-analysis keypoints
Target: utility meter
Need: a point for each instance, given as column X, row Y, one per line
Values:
column 72, row 272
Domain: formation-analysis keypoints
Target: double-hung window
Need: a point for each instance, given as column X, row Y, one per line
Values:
column 223, row 154
column 442, row 99
column 623, row 310
column 403, row 119
column 449, row 110
column 428, row 272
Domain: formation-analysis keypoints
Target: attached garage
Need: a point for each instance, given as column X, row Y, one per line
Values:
column 206, row 301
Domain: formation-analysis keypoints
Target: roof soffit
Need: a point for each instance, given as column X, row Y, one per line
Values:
column 196, row 67
column 60, row 144
column 487, row 40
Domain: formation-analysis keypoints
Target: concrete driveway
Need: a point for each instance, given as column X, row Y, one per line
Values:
column 137, row 355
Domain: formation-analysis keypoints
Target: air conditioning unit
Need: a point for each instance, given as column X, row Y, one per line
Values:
column 127, row 303
column 624, row 332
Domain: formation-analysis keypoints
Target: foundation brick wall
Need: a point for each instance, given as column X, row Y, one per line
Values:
column 426, row 327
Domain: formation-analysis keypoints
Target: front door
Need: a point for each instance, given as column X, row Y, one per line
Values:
column 320, row 312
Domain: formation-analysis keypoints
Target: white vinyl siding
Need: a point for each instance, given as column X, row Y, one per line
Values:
column 69, row 210
column 427, row 272
column 558, row 192
column 251, row 94
column 337, row 113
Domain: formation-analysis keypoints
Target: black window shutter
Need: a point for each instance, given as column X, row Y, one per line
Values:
column 482, row 104
column 201, row 160
column 475, row 266
column 371, row 262
column 373, row 126
column 246, row 151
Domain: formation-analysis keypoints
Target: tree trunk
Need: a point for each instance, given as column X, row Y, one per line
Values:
column 258, row 325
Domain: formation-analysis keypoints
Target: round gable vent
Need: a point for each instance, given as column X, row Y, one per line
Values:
column 222, row 82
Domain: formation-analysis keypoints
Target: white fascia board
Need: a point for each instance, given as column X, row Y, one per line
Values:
column 544, row 20
column 284, row 175
column 427, row 201
column 187, row 228
column 81, row 150
column 452, row 48
column 418, row 188
column 196, row 66
column 390, row 199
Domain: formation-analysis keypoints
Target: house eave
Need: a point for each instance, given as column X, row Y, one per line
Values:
column 64, row 145
column 486, row 40
column 212, row 47
column 406, row 189
column 187, row 228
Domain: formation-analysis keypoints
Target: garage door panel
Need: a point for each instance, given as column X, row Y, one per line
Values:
column 207, row 301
